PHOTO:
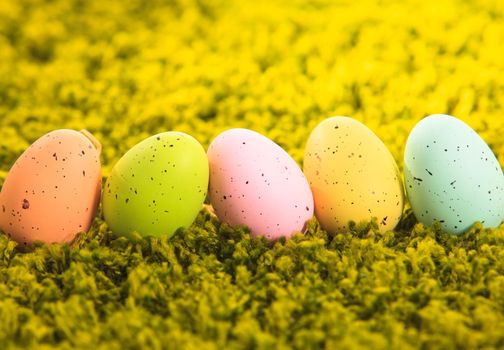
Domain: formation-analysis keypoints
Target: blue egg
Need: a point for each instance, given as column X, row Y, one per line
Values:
column 452, row 176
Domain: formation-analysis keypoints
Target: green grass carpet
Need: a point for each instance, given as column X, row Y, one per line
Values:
column 125, row 70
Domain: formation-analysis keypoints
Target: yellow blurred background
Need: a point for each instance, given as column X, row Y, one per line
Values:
column 126, row 70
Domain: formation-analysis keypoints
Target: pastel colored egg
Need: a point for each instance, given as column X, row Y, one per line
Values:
column 452, row 176
column 53, row 190
column 353, row 176
column 255, row 183
column 157, row 187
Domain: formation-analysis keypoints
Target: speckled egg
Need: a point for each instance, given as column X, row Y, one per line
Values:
column 452, row 176
column 353, row 176
column 255, row 183
column 53, row 190
column 157, row 187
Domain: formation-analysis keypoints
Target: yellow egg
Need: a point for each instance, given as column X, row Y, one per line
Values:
column 353, row 176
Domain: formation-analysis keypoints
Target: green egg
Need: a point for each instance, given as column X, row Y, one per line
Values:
column 157, row 187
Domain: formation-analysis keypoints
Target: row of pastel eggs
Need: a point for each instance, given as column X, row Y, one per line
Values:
column 53, row 190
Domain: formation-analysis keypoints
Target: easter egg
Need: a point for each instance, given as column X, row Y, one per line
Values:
column 255, row 183
column 157, row 187
column 53, row 190
column 352, row 175
column 452, row 176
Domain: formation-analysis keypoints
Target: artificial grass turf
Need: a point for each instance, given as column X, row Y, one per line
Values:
column 127, row 70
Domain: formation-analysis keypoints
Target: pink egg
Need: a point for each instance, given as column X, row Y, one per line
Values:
column 255, row 183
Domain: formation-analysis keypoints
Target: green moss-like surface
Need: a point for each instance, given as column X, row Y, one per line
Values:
column 214, row 287
column 126, row 70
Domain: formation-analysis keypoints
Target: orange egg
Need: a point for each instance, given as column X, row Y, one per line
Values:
column 53, row 190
